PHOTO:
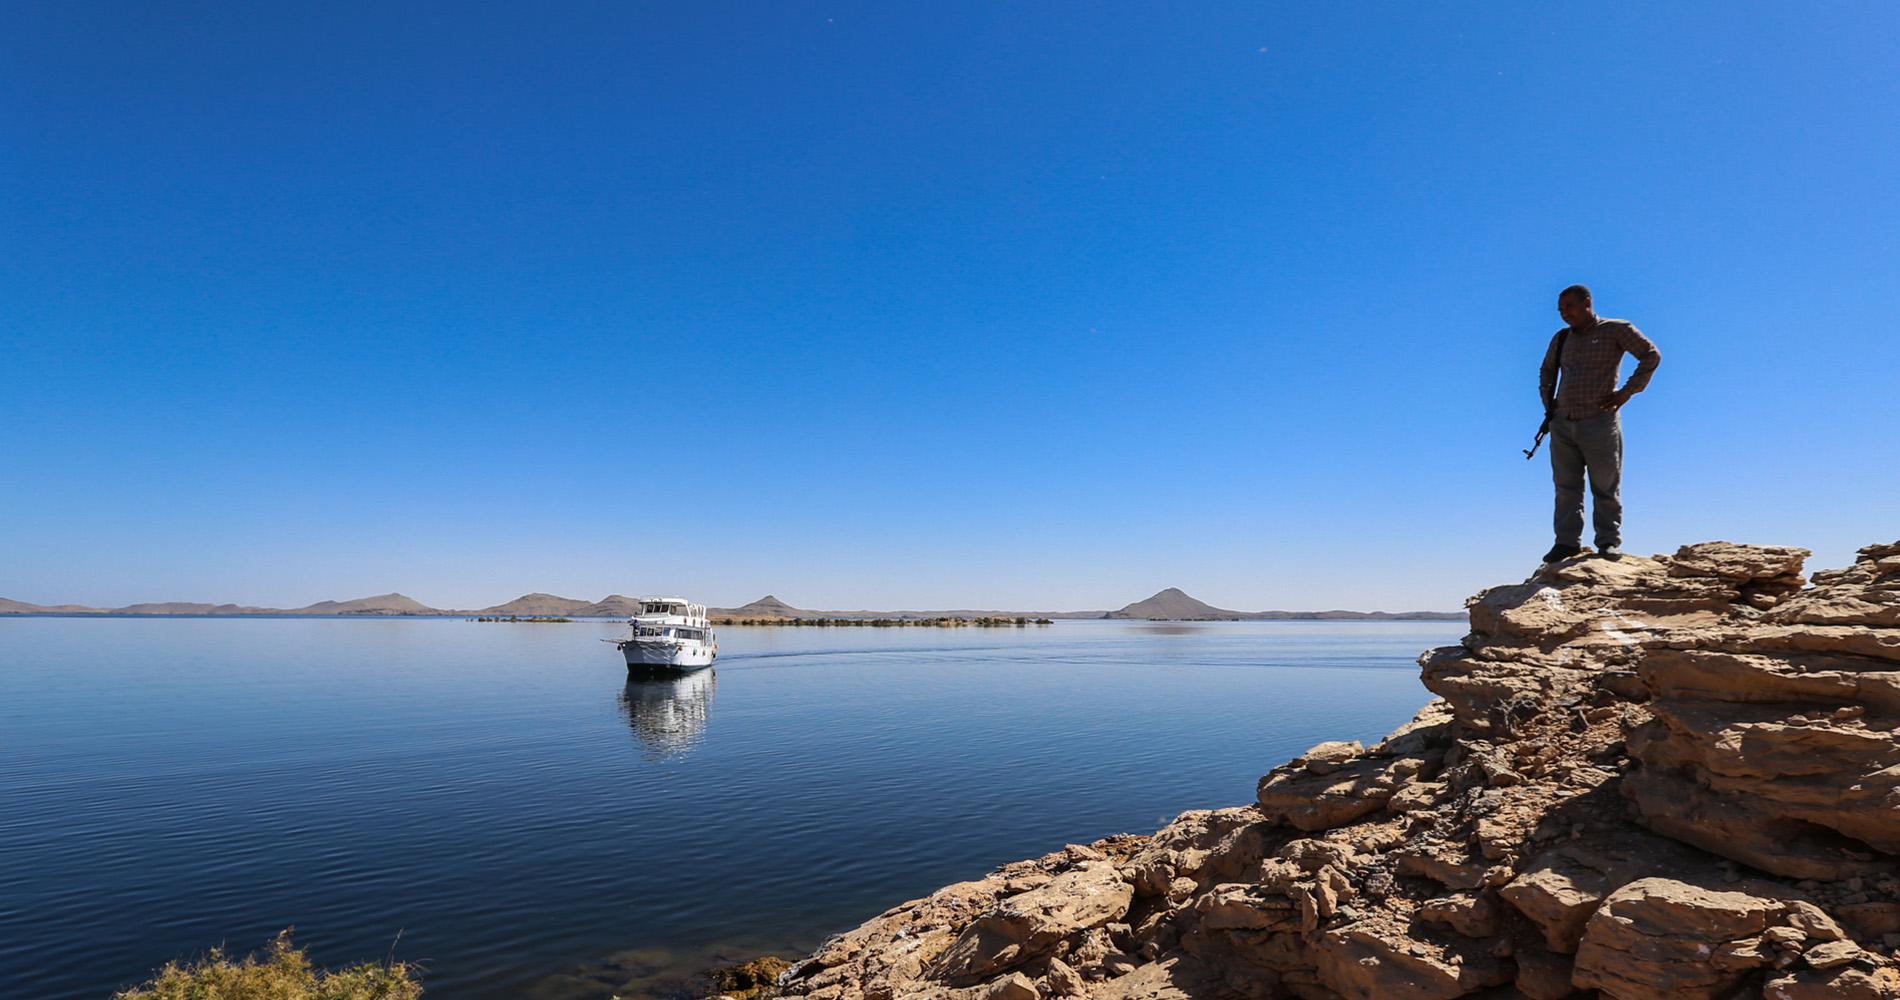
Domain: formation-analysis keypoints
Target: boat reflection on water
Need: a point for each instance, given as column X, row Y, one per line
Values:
column 668, row 714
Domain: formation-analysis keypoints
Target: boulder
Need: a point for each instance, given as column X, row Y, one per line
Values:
column 1789, row 793
column 1847, row 983
column 1825, row 608
column 1245, row 906
column 1029, row 925
column 1014, row 986
column 1863, row 594
column 1660, row 939
column 1063, row 981
column 1174, row 977
column 1371, row 962
column 1471, row 914
column 1446, row 864
column 1489, row 695
column 1429, row 730
column 1806, row 679
column 1738, row 564
column 1559, row 895
column 1341, row 793
column 1542, row 975
column 1559, row 889
column 1418, row 795
column 1203, row 846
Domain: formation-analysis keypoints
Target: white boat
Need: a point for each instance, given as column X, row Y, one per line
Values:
column 669, row 635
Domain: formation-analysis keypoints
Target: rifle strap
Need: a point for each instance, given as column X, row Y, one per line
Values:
column 1562, row 335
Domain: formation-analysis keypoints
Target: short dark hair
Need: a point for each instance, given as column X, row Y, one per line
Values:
column 1574, row 292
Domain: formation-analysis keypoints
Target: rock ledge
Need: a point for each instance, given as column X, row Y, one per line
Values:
column 1675, row 777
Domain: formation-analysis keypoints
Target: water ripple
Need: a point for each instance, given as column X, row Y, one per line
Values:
column 504, row 799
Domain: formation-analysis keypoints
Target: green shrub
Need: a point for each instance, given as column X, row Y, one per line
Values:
column 283, row 974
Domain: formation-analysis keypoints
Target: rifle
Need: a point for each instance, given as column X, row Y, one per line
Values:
column 1544, row 428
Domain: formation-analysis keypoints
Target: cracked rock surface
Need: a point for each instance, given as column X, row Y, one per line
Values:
column 1675, row 777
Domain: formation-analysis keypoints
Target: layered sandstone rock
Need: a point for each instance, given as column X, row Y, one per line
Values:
column 1643, row 779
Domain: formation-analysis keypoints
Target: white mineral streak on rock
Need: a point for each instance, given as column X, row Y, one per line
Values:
column 1610, row 629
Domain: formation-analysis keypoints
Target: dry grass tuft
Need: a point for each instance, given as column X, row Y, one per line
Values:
column 282, row 974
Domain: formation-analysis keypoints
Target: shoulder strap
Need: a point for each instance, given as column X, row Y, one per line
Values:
column 1557, row 383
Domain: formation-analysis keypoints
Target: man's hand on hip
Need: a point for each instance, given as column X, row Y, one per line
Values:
column 1614, row 401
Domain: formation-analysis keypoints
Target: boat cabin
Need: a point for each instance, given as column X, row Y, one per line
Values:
column 671, row 611
column 670, row 632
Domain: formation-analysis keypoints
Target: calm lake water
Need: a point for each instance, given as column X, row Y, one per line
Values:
column 496, row 801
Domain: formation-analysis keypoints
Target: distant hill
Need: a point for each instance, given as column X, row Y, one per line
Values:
column 1173, row 605
column 765, row 607
column 22, row 608
column 550, row 606
column 183, row 608
column 771, row 607
column 613, row 606
column 540, row 604
column 385, row 604
column 388, row 604
column 1170, row 604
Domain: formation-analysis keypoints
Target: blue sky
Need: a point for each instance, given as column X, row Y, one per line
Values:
column 921, row 304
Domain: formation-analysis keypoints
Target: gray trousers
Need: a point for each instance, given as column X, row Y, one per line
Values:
column 1593, row 446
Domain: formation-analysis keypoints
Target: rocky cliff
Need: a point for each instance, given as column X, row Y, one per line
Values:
column 1675, row 777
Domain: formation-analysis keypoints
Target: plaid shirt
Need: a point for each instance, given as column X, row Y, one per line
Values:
column 1591, row 358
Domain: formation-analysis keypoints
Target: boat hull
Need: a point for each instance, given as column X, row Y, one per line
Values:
column 650, row 657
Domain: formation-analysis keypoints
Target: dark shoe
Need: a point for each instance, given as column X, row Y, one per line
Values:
column 1610, row 552
column 1561, row 551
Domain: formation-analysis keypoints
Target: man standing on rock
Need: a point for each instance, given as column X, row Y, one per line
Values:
column 1586, row 434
